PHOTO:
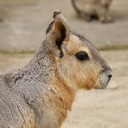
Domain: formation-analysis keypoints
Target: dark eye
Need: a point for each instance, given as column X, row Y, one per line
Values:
column 82, row 56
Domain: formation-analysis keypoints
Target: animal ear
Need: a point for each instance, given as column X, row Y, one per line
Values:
column 58, row 31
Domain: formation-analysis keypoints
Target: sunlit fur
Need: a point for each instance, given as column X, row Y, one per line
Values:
column 77, row 74
column 40, row 94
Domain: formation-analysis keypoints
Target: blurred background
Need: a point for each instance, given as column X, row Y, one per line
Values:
column 22, row 27
column 25, row 22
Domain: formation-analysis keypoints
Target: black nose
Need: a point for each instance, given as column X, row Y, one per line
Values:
column 110, row 76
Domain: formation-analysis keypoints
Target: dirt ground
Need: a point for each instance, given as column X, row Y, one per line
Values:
column 95, row 108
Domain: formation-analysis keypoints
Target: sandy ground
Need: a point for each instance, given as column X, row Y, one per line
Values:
column 95, row 108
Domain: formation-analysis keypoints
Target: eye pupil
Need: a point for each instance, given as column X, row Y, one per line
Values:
column 82, row 56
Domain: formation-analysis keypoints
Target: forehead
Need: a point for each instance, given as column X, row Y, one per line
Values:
column 76, row 44
column 85, row 45
column 79, row 43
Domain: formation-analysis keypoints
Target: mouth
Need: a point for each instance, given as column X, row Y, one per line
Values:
column 103, row 81
column 104, row 85
column 101, row 86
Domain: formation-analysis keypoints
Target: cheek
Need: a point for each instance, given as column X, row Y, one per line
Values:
column 80, row 75
column 88, row 77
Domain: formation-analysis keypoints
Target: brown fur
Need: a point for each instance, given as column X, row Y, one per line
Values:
column 88, row 9
column 40, row 94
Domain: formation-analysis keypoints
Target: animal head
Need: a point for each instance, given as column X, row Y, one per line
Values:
column 77, row 62
column 106, row 3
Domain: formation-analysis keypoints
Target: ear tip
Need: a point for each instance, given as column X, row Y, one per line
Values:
column 58, row 16
column 55, row 13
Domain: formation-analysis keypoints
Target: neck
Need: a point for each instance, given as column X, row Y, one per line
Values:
column 39, row 83
column 61, row 97
column 56, row 91
column 41, row 64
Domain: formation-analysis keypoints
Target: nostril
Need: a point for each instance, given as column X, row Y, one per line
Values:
column 109, row 75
